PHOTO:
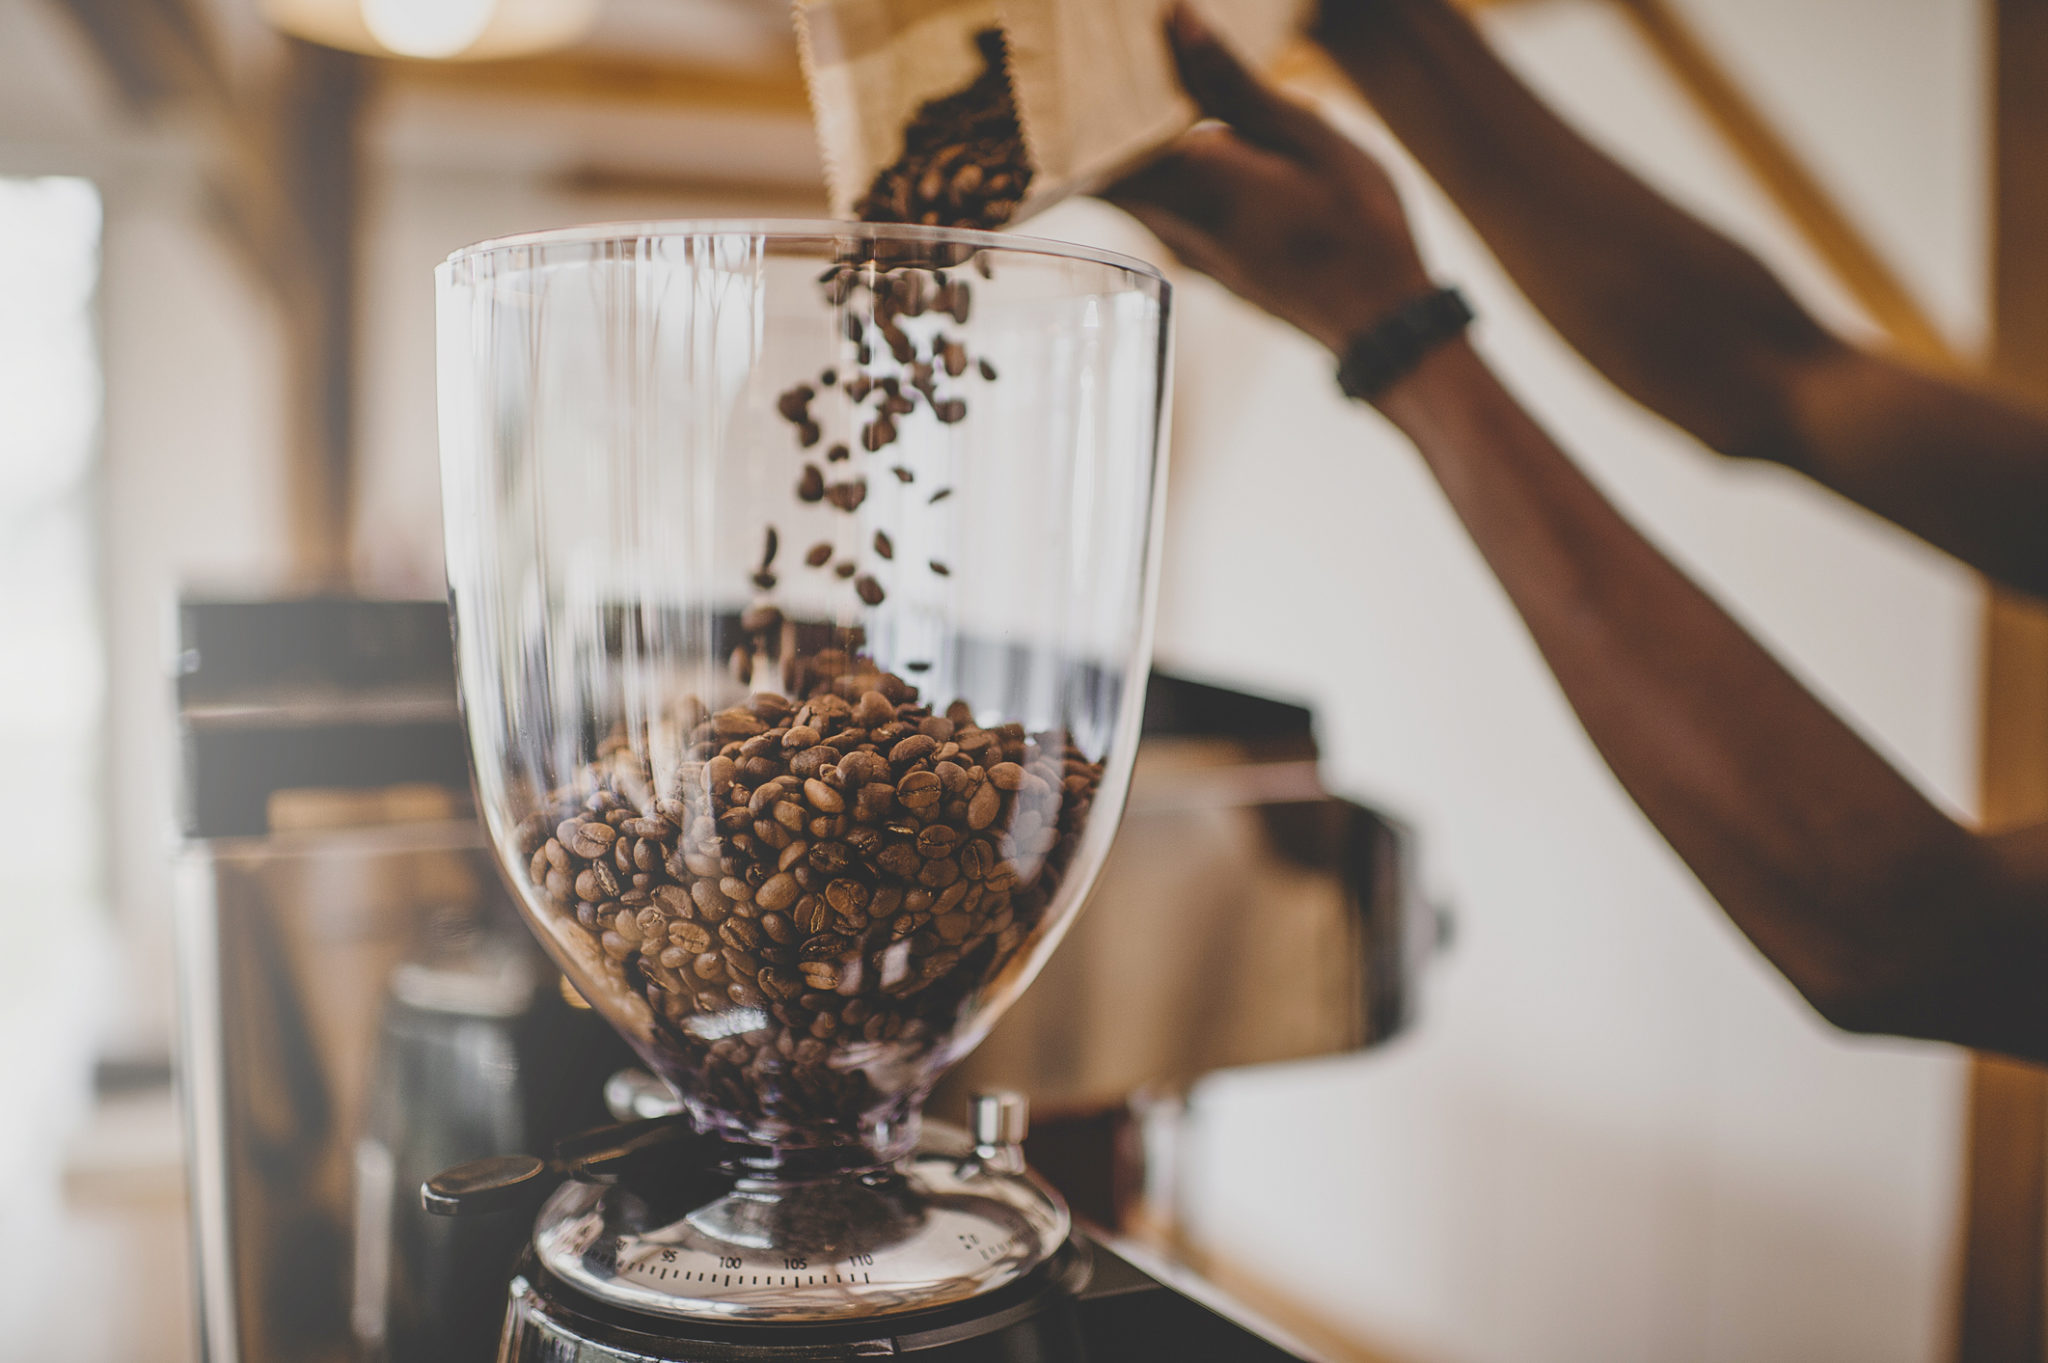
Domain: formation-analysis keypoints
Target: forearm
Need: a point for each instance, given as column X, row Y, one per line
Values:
column 1963, row 469
column 1865, row 895
column 1678, row 316
column 1683, row 319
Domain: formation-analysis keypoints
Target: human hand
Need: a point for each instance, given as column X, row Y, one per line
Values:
column 1278, row 206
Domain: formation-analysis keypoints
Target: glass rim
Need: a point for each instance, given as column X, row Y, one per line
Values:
column 807, row 229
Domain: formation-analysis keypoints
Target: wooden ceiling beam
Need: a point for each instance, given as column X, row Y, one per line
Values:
column 1811, row 210
column 590, row 78
column 157, row 52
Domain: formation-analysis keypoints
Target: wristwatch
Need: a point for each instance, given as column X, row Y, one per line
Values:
column 1392, row 347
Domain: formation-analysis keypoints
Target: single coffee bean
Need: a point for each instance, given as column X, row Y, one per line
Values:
column 793, row 403
column 736, row 723
column 778, row 892
column 912, row 749
column 819, row 554
column 869, row 590
column 585, row 839
column 919, row 791
column 899, row 859
column 937, row 840
column 874, row 802
column 884, row 546
column 830, row 858
column 984, row 805
column 813, row 913
column 779, row 984
column 812, row 761
column 846, row 896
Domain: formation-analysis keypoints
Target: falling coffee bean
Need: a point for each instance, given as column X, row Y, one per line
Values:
column 870, row 590
column 883, row 546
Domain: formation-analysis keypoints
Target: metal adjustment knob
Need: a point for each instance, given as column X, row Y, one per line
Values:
column 634, row 1095
column 998, row 1120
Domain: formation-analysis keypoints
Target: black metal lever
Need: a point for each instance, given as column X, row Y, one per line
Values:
column 500, row 1183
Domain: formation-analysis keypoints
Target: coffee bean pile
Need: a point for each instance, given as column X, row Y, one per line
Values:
column 964, row 163
column 807, row 905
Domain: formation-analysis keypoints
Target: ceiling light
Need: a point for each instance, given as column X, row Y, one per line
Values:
column 465, row 29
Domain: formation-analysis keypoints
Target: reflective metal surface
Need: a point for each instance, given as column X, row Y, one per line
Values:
column 950, row 1223
column 1245, row 917
column 1090, row 1304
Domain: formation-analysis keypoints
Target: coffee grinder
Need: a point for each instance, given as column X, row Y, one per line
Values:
column 802, row 580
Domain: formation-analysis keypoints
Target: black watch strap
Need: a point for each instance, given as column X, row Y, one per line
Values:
column 1391, row 348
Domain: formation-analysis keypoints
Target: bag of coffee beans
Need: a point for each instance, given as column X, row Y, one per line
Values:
column 975, row 113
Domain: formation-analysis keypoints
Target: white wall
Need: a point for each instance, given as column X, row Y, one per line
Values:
column 1616, row 1134
column 190, row 479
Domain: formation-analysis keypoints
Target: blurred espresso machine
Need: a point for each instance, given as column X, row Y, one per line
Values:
column 362, row 1007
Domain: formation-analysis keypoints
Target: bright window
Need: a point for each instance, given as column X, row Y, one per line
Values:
column 51, row 654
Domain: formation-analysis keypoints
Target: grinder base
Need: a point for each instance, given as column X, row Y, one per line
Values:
column 952, row 1222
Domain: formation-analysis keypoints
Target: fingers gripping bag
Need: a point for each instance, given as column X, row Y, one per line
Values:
column 974, row 113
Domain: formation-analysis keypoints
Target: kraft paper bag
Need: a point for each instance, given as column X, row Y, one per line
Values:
column 1092, row 82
